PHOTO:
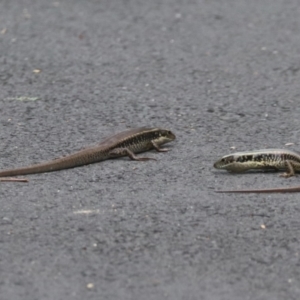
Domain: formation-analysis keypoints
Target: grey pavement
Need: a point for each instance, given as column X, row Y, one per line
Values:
column 223, row 75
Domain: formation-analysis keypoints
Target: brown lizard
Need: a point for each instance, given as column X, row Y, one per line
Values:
column 126, row 143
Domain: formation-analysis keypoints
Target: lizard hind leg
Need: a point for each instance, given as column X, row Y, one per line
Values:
column 290, row 170
column 118, row 152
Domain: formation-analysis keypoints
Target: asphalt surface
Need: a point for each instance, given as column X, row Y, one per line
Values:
column 220, row 74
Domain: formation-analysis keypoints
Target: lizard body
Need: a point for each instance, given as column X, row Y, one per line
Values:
column 126, row 143
column 266, row 159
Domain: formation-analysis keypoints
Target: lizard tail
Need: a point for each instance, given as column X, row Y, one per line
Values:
column 276, row 190
column 71, row 161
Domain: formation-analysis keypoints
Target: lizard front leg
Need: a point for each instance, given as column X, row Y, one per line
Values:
column 126, row 152
column 156, row 147
column 290, row 169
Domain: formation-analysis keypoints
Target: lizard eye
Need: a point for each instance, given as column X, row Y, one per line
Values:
column 228, row 160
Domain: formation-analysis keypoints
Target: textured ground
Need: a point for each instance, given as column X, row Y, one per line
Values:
column 220, row 74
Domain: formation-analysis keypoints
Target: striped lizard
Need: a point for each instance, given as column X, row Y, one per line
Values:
column 266, row 159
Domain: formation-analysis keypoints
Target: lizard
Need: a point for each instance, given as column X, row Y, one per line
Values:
column 265, row 159
column 126, row 143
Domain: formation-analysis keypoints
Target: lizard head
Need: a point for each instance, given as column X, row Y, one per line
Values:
column 224, row 162
column 236, row 162
column 164, row 136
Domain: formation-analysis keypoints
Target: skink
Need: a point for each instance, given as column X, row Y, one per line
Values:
column 126, row 143
column 266, row 159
